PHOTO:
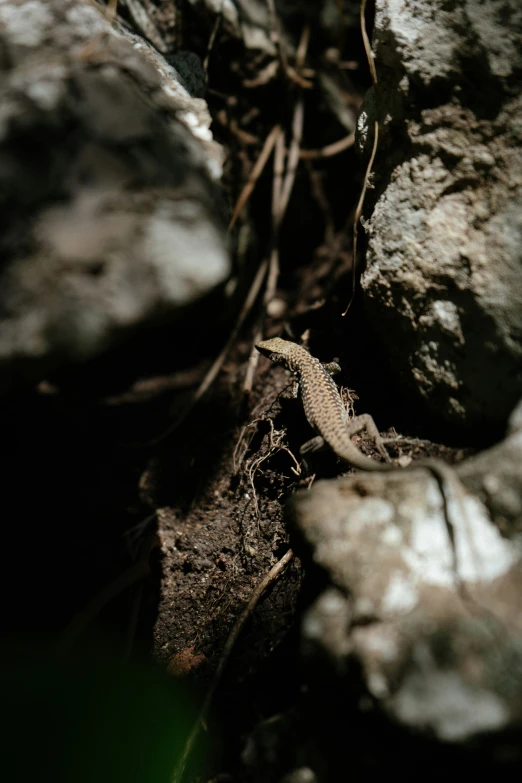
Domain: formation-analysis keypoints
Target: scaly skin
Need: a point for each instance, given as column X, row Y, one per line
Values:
column 326, row 413
column 322, row 402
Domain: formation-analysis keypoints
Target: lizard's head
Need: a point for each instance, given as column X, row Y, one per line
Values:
column 276, row 349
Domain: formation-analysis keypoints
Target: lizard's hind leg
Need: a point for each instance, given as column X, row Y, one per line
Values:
column 314, row 444
column 365, row 422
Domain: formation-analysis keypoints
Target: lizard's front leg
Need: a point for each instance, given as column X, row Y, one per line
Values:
column 332, row 368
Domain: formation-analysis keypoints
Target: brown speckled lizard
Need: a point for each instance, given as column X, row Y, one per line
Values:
column 326, row 413
column 322, row 404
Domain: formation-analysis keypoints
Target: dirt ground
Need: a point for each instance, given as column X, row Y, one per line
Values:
column 181, row 531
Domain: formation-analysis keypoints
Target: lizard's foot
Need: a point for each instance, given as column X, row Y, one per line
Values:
column 314, row 444
column 366, row 422
column 332, row 368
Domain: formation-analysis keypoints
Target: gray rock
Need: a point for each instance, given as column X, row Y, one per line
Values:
column 111, row 217
column 431, row 613
column 301, row 775
column 443, row 279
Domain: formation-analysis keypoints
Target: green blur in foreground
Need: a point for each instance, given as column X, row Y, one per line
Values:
column 101, row 720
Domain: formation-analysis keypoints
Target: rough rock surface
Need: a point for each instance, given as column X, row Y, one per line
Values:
column 443, row 279
column 430, row 611
column 110, row 216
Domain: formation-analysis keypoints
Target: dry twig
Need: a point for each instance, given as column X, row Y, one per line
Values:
column 293, row 157
column 276, row 438
column 255, row 173
column 281, row 191
column 243, row 443
column 348, row 397
column 291, row 73
column 253, row 361
column 212, row 38
column 330, row 150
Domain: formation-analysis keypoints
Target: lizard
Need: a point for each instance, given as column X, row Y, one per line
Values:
column 323, row 406
column 327, row 415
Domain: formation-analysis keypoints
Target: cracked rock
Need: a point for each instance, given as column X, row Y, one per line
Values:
column 443, row 279
column 111, row 218
column 424, row 594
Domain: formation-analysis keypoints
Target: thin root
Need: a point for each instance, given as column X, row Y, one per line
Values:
column 276, row 444
column 360, row 203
